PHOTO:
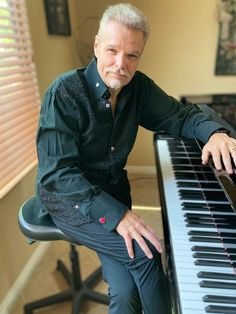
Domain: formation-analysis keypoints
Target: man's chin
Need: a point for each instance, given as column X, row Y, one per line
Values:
column 116, row 84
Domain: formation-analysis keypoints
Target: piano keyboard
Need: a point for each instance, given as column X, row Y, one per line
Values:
column 201, row 228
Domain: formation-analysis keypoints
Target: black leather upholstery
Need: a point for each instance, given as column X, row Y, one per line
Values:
column 38, row 228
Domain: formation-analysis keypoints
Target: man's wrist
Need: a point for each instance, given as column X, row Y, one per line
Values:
column 221, row 131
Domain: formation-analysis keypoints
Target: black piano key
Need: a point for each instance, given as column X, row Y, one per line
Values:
column 208, row 224
column 199, row 248
column 217, row 284
column 212, row 233
column 184, row 161
column 228, row 240
column 194, row 168
column 219, row 299
column 220, row 309
column 190, row 206
column 219, row 222
column 215, row 216
column 182, row 154
column 193, row 207
column 200, row 217
column 195, row 176
column 225, row 236
column 211, row 240
column 205, row 262
column 221, row 257
column 200, row 195
column 181, row 146
column 205, row 240
column 199, row 225
column 201, row 185
column 203, row 233
column 215, row 275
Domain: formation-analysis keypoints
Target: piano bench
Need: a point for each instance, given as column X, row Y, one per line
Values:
column 43, row 229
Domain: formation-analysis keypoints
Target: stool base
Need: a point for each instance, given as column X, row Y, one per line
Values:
column 78, row 290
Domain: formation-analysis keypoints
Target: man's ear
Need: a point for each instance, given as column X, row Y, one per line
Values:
column 95, row 46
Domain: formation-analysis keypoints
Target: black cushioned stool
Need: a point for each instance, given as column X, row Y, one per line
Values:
column 43, row 229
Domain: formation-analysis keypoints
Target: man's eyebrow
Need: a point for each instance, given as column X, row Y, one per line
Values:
column 135, row 52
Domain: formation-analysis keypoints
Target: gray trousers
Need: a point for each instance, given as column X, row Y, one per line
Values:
column 135, row 285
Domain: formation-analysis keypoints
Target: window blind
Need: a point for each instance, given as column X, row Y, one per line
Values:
column 19, row 98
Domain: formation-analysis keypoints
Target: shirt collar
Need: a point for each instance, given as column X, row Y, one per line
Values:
column 96, row 86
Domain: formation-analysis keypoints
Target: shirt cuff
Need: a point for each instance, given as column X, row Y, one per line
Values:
column 205, row 131
column 107, row 211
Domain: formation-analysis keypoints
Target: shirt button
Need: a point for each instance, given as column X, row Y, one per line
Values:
column 112, row 149
column 107, row 105
column 76, row 206
column 97, row 84
column 102, row 220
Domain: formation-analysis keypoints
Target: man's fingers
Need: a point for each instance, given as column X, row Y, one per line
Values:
column 143, row 245
column 205, row 156
column 227, row 161
column 233, row 154
column 132, row 227
column 222, row 149
column 217, row 160
column 154, row 239
column 129, row 246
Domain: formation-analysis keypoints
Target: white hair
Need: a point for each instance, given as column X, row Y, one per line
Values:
column 127, row 15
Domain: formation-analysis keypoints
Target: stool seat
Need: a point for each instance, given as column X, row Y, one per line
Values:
column 42, row 228
column 35, row 227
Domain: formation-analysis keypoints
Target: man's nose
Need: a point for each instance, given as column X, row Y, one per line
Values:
column 120, row 61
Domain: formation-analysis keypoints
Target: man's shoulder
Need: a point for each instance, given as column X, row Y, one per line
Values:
column 140, row 75
column 68, row 81
column 141, row 79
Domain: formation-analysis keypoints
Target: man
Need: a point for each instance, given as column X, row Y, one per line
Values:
column 87, row 127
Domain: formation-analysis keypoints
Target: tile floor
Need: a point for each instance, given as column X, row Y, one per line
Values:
column 47, row 280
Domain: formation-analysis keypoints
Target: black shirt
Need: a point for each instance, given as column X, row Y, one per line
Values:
column 83, row 149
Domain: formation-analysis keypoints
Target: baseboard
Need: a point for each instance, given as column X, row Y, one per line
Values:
column 144, row 170
column 19, row 284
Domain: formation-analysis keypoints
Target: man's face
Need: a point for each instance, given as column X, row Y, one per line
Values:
column 118, row 51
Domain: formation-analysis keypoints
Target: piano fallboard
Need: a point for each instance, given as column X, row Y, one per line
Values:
column 199, row 228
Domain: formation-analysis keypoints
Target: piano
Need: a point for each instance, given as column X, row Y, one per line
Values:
column 199, row 221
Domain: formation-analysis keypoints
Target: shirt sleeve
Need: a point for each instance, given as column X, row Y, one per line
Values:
column 61, row 183
column 163, row 112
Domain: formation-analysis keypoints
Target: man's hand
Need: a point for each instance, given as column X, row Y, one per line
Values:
column 221, row 148
column 132, row 227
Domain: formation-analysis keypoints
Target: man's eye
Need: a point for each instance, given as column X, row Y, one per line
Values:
column 133, row 57
column 111, row 50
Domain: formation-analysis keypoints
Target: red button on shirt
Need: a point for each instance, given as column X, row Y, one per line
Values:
column 102, row 220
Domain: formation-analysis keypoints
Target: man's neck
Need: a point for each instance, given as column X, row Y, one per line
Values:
column 114, row 92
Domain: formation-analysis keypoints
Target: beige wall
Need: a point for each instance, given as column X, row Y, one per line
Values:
column 179, row 56
column 14, row 249
column 53, row 54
